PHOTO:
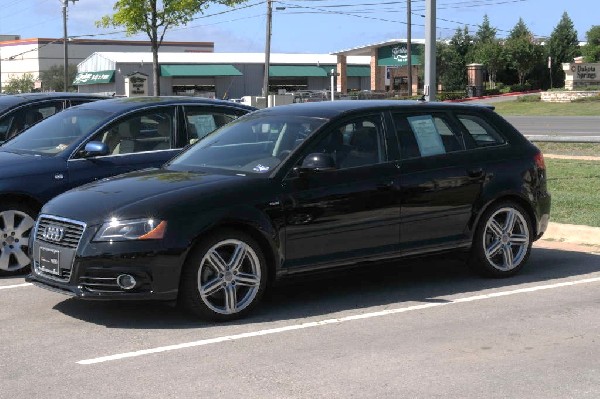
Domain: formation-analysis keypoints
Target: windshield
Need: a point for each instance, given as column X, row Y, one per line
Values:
column 56, row 133
column 252, row 144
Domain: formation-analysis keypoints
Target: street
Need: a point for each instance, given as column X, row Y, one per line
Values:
column 427, row 329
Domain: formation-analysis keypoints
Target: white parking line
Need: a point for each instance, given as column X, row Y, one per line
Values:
column 333, row 321
column 5, row 287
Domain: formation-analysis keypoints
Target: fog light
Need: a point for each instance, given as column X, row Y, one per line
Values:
column 126, row 281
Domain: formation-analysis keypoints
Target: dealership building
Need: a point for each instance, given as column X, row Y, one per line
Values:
column 193, row 68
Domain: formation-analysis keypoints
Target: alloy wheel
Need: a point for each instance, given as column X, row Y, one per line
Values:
column 15, row 227
column 506, row 239
column 229, row 277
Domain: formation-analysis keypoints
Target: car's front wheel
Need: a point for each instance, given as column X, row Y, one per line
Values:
column 16, row 223
column 502, row 241
column 224, row 277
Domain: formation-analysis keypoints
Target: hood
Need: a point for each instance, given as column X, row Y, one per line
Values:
column 148, row 193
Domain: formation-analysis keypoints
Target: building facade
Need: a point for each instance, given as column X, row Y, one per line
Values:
column 218, row 75
column 33, row 56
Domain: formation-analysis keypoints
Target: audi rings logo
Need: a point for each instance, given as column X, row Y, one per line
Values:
column 54, row 233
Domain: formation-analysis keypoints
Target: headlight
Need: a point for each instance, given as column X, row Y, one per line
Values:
column 125, row 230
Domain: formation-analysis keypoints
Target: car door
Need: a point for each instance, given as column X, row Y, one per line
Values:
column 352, row 211
column 136, row 141
column 439, row 182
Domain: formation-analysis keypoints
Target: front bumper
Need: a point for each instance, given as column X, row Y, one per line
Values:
column 95, row 267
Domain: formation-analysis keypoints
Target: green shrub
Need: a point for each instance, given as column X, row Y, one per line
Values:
column 451, row 95
column 530, row 99
column 593, row 99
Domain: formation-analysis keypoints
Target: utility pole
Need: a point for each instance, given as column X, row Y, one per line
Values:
column 66, row 55
column 408, row 47
column 430, row 83
column 265, row 90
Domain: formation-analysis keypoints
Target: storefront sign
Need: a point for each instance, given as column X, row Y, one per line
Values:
column 136, row 85
column 397, row 55
column 90, row 78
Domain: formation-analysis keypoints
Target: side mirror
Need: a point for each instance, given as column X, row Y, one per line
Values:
column 95, row 149
column 317, row 162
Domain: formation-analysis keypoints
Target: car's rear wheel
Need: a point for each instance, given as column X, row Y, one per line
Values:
column 224, row 277
column 16, row 223
column 502, row 240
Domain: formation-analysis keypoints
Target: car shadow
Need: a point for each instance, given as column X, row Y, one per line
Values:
column 420, row 280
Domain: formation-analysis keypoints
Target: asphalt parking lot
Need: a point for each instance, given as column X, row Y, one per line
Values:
column 429, row 329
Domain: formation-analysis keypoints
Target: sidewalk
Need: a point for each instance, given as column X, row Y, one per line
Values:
column 572, row 233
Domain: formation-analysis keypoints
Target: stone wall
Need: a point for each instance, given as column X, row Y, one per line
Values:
column 566, row 96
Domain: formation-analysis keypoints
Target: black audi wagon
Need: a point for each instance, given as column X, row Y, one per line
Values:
column 293, row 189
column 90, row 142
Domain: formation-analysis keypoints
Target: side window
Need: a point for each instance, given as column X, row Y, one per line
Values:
column 201, row 121
column 148, row 131
column 357, row 142
column 426, row 135
column 26, row 117
column 482, row 133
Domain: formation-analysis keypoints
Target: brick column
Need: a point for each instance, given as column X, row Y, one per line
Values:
column 377, row 77
column 342, row 79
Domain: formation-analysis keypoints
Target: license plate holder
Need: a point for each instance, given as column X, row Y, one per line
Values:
column 50, row 260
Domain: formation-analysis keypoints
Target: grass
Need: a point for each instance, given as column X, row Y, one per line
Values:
column 589, row 149
column 513, row 108
column 575, row 189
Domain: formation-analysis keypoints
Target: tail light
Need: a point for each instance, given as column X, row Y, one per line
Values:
column 539, row 160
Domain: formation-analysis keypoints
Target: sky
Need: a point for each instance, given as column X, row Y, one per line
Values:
column 303, row 26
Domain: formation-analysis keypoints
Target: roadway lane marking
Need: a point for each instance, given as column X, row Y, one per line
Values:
column 302, row 326
column 5, row 287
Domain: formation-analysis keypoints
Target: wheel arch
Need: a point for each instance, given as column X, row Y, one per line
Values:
column 505, row 198
column 24, row 199
column 263, row 239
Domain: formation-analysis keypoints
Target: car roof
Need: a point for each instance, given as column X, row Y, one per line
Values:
column 10, row 100
column 331, row 109
column 124, row 104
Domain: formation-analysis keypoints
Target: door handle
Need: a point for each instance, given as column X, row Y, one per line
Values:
column 385, row 186
column 475, row 173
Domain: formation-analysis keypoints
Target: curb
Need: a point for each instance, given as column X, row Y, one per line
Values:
column 572, row 233
column 516, row 93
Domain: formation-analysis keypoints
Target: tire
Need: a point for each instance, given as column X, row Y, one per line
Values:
column 16, row 223
column 502, row 241
column 224, row 277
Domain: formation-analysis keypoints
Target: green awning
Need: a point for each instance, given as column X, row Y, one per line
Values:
column 320, row 71
column 297, row 71
column 199, row 70
column 91, row 78
column 358, row 71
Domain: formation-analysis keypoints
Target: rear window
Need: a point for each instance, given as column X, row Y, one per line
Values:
column 480, row 131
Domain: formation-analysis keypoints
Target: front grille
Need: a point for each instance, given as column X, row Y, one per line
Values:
column 65, row 274
column 73, row 231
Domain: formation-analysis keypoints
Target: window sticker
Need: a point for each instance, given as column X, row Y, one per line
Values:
column 427, row 135
column 260, row 168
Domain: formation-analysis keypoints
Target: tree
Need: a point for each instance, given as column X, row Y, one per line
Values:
column 491, row 55
column 52, row 79
column 486, row 33
column 563, row 46
column 591, row 51
column 522, row 51
column 488, row 51
column 147, row 16
column 19, row 84
column 452, row 60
